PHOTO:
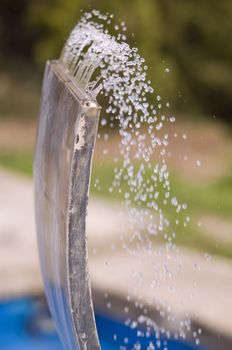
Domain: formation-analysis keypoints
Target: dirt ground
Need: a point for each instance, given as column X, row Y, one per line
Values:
column 17, row 135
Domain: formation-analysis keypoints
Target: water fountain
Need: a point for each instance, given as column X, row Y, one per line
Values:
column 93, row 63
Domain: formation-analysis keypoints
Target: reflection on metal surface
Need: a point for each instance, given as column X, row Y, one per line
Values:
column 65, row 141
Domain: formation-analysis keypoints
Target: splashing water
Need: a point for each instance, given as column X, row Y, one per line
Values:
column 106, row 65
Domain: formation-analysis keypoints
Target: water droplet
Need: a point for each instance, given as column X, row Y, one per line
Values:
column 172, row 119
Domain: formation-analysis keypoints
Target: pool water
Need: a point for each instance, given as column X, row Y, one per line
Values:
column 25, row 324
column 108, row 328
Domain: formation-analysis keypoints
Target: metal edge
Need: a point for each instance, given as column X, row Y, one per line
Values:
column 80, row 296
column 90, row 110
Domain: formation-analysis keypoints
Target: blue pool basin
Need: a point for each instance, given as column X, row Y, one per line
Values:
column 26, row 325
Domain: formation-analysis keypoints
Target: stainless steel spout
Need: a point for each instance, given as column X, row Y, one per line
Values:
column 66, row 137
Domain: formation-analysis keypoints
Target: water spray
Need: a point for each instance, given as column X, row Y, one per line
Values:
column 92, row 63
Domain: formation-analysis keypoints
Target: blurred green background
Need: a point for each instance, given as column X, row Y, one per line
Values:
column 192, row 39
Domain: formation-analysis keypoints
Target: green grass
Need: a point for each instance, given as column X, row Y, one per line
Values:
column 216, row 198
column 20, row 162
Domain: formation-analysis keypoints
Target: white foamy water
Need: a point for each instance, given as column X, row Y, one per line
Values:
column 105, row 64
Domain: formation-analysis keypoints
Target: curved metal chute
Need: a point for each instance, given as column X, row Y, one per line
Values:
column 66, row 136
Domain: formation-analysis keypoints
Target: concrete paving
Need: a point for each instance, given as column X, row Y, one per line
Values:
column 185, row 283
